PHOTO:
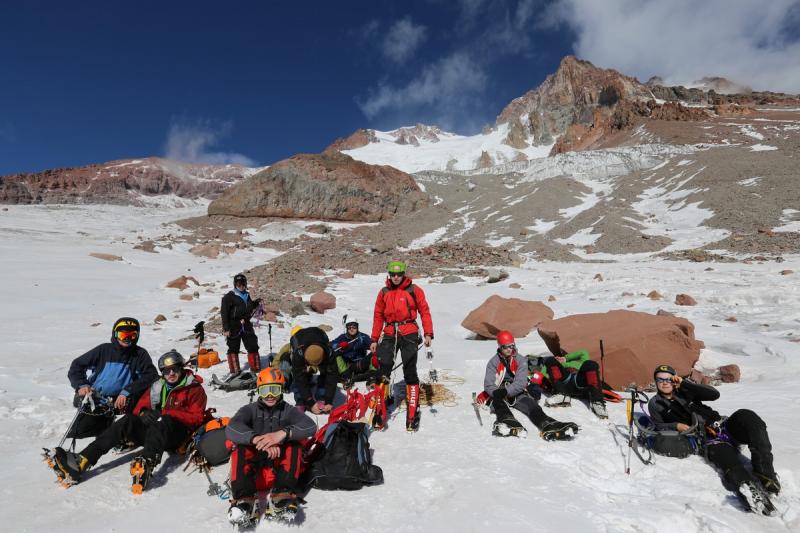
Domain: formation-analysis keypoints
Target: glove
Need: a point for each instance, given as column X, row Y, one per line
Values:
column 257, row 302
column 500, row 394
column 148, row 416
column 375, row 362
column 537, row 378
column 343, row 345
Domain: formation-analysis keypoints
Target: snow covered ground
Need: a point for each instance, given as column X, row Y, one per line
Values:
column 452, row 475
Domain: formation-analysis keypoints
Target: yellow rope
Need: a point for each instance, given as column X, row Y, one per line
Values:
column 439, row 393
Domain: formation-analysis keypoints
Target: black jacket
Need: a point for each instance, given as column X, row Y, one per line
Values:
column 685, row 400
column 233, row 309
column 256, row 419
column 112, row 370
column 329, row 373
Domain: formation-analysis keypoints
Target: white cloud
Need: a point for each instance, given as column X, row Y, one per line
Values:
column 403, row 39
column 752, row 42
column 447, row 84
column 192, row 143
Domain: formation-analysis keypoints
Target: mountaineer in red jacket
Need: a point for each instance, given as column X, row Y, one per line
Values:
column 163, row 419
column 396, row 310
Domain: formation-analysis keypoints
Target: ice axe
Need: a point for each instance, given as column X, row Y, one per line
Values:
column 200, row 335
column 432, row 375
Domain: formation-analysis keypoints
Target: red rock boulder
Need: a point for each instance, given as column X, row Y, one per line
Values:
column 498, row 313
column 635, row 343
column 322, row 301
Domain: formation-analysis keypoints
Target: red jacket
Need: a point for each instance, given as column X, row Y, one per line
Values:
column 395, row 304
column 186, row 403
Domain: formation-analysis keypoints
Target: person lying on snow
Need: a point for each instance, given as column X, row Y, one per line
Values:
column 114, row 374
column 677, row 399
column 162, row 420
column 352, row 359
column 574, row 375
column 506, row 385
column 268, row 436
column 311, row 353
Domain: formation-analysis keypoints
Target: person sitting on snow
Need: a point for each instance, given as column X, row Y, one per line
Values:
column 268, row 436
column 506, row 385
column 351, row 349
column 114, row 374
column 677, row 399
column 311, row 353
column 575, row 375
column 162, row 420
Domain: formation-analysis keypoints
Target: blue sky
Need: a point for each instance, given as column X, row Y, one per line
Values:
column 255, row 82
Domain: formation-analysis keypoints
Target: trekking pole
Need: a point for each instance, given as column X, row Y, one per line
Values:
column 269, row 332
column 630, row 407
column 200, row 335
column 74, row 419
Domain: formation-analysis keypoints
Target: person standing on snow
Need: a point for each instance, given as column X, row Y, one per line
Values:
column 236, row 310
column 395, row 319
column 268, row 436
column 162, row 420
column 351, row 349
column 677, row 399
column 114, row 374
column 506, row 384
column 577, row 376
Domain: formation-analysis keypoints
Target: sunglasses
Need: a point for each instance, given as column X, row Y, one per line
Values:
column 171, row 370
column 127, row 335
column 396, row 274
column 663, row 380
column 508, row 346
column 272, row 390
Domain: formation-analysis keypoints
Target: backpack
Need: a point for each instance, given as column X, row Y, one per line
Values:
column 345, row 462
column 211, row 446
column 667, row 442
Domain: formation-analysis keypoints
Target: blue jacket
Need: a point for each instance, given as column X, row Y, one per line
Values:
column 357, row 347
column 112, row 370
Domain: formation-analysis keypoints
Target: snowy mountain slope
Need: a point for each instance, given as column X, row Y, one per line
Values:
column 452, row 475
column 448, row 152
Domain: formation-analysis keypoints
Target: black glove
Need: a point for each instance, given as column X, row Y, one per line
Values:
column 500, row 394
column 148, row 416
column 257, row 302
column 535, row 391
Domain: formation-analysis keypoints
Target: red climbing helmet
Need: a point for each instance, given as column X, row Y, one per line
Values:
column 505, row 338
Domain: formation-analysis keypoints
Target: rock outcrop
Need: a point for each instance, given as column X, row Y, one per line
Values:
column 634, row 343
column 357, row 139
column 498, row 313
column 126, row 182
column 328, row 186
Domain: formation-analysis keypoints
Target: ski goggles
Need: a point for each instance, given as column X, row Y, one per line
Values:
column 511, row 346
column 270, row 390
column 125, row 335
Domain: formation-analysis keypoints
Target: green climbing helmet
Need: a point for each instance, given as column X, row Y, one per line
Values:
column 395, row 267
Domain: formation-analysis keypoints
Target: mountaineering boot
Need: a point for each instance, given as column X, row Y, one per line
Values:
column 555, row 430
column 141, row 470
column 508, row 426
column 242, row 513
column 254, row 360
column 412, row 409
column 379, row 413
column 69, row 465
column 754, row 498
column 282, row 505
column 233, row 363
column 599, row 408
column 770, row 483
column 558, row 399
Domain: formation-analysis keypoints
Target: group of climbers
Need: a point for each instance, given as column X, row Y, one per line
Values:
column 160, row 414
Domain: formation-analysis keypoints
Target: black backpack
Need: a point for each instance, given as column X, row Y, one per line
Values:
column 345, row 462
column 668, row 442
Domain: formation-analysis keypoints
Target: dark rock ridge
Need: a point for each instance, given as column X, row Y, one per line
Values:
column 124, row 182
column 328, row 186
